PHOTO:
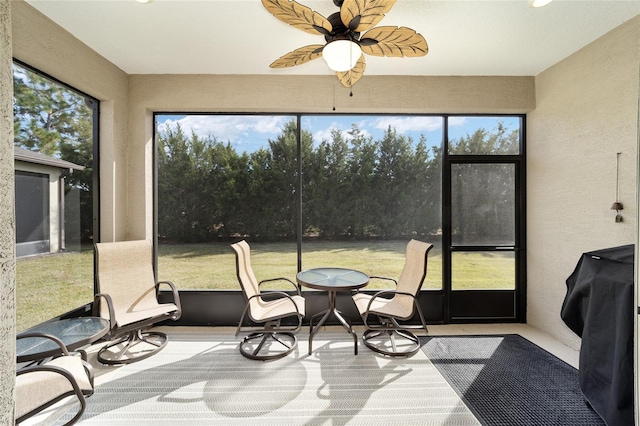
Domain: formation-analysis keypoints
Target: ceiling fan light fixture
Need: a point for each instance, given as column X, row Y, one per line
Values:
column 341, row 55
column 539, row 3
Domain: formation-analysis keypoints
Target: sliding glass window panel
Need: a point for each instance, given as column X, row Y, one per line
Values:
column 221, row 179
column 483, row 204
column 480, row 135
column 483, row 270
column 370, row 184
column 54, row 196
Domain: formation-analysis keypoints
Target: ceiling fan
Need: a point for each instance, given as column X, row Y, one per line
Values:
column 345, row 45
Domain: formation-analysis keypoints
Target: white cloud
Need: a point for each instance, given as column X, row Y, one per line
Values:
column 250, row 132
column 228, row 127
column 409, row 124
column 325, row 134
column 322, row 135
column 246, row 132
column 457, row 121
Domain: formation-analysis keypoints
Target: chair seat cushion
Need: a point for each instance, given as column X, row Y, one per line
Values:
column 36, row 389
column 400, row 306
column 133, row 316
column 262, row 310
column 73, row 364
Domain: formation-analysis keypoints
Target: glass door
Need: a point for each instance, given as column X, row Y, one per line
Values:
column 485, row 224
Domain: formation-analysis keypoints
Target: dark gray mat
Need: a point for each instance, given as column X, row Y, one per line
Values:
column 507, row 380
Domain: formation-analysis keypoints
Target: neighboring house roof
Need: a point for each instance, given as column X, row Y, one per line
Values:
column 21, row 154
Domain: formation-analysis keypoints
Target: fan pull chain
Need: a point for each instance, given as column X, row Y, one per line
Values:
column 334, row 95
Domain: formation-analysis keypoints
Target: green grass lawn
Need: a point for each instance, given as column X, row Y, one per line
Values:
column 50, row 285
column 212, row 266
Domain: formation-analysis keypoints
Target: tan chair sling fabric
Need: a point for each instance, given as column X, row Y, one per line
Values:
column 125, row 273
column 399, row 304
column 259, row 309
column 410, row 281
column 42, row 385
column 266, row 308
column 127, row 297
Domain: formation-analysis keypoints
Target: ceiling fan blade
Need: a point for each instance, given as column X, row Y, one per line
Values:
column 298, row 16
column 360, row 15
column 393, row 41
column 299, row 56
column 351, row 77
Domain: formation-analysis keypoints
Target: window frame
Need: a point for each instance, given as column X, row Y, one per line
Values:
column 93, row 104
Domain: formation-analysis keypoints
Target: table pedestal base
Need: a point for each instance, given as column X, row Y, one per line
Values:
column 331, row 310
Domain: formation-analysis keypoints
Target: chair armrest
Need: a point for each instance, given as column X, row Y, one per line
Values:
column 112, row 314
column 275, row 293
column 281, row 279
column 389, row 292
column 88, row 368
column 385, row 293
column 384, row 278
column 271, row 293
column 63, row 348
column 379, row 278
column 176, row 296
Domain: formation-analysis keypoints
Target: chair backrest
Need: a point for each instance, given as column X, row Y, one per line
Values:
column 246, row 277
column 415, row 267
column 124, row 271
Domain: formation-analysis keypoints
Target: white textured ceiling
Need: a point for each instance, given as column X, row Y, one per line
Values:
column 473, row 37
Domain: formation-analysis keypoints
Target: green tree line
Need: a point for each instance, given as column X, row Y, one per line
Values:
column 354, row 187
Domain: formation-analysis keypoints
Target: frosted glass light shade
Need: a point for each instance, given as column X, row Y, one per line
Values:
column 539, row 3
column 341, row 55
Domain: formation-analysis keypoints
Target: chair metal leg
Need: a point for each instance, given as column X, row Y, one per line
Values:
column 285, row 339
column 150, row 341
column 391, row 327
column 405, row 335
column 393, row 330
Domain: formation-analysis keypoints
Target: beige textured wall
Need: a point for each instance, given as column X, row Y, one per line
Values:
column 587, row 111
column 7, row 223
column 306, row 94
column 39, row 42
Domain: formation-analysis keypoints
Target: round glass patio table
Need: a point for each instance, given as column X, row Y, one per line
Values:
column 332, row 280
column 73, row 332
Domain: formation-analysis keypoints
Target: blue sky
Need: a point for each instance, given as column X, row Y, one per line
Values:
column 250, row 132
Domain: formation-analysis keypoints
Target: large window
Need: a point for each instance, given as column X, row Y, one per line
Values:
column 55, row 128
column 369, row 184
column 222, row 178
column 345, row 191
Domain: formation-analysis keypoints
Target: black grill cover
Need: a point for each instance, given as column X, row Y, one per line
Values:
column 599, row 307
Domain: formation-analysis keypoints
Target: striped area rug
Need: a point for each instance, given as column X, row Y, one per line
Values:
column 200, row 378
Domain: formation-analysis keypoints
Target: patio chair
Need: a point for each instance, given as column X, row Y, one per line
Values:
column 39, row 386
column 127, row 297
column 399, row 304
column 272, row 340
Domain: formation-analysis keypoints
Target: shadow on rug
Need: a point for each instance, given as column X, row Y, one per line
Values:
column 507, row 380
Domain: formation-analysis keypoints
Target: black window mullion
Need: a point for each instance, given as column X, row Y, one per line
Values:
column 446, row 222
